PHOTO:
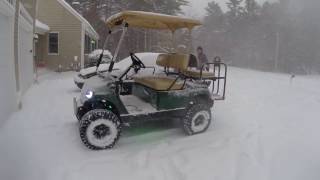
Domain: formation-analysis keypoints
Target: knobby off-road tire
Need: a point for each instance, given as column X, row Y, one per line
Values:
column 197, row 119
column 100, row 129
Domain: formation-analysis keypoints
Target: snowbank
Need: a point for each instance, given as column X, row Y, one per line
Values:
column 267, row 129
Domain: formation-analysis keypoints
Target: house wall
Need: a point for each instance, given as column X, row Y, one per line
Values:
column 40, row 49
column 25, row 51
column 69, row 27
column 8, row 100
column 16, row 61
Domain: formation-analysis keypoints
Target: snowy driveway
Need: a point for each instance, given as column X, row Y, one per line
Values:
column 267, row 129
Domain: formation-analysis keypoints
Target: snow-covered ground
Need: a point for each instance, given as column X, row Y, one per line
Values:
column 267, row 129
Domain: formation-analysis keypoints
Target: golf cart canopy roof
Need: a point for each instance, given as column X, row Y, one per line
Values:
column 151, row 20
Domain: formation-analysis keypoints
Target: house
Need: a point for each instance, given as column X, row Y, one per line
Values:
column 69, row 40
column 59, row 38
column 16, row 55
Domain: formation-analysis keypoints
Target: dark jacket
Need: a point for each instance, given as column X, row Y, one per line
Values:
column 202, row 58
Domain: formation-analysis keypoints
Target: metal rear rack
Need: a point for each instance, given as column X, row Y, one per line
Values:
column 219, row 80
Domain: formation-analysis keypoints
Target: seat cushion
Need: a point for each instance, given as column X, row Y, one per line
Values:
column 159, row 83
column 176, row 61
column 196, row 74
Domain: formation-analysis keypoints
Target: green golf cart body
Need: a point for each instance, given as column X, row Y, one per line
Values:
column 108, row 101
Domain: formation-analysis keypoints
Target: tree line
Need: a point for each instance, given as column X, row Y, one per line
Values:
column 282, row 36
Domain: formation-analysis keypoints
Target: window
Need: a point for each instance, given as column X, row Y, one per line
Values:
column 87, row 48
column 53, row 43
column 93, row 45
column 89, row 44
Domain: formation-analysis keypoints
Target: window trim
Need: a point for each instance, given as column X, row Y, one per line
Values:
column 91, row 49
column 85, row 52
column 53, row 32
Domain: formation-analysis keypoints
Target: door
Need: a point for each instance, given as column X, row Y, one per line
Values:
column 25, row 56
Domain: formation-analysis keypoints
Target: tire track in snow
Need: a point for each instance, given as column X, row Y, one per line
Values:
column 159, row 158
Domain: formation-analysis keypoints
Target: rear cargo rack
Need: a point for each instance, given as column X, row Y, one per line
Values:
column 219, row 80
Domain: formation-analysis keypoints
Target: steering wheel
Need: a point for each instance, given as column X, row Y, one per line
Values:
column 137, row 64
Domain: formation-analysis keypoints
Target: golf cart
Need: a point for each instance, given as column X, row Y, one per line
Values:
column 111, row 100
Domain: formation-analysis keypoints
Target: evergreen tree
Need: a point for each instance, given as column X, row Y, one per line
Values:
column 235, row 9
column 282, row 34
column 251, row 8
column 214, row 16
column 211, row 34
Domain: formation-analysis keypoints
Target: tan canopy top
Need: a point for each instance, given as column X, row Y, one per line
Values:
column 151, row 20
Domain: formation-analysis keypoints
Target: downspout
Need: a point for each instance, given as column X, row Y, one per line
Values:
column 82, row 46
column 34, row 15
column 114, row 58
column 16, row 52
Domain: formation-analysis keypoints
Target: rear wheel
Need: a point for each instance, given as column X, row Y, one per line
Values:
column 100, row 129
column 197, row 119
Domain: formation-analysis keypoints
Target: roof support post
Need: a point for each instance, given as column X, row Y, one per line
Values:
column 106, row 41
column 118, row 47
column 145, row 40
column 173, row 41
column 190, row 41
column 103, row 48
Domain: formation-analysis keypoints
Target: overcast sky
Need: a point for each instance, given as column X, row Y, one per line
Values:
column 196, row 8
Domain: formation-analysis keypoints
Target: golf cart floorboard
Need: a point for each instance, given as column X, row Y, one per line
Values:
column 136, row 106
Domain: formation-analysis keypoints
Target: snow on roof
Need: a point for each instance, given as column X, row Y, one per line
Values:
column 88, row 27
column 40, row 27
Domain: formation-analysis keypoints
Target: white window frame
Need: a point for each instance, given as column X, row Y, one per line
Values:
column 53, row 32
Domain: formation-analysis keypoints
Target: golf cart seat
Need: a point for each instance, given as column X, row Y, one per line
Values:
column 159, row 83
column 197, row 74
column 178, row 62
column 193, row 72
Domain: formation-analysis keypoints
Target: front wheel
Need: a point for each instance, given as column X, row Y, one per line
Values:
column 100, row 129
column 197, row 119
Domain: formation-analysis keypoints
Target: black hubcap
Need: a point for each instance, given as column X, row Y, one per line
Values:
column 199, row 120
column 101, row 131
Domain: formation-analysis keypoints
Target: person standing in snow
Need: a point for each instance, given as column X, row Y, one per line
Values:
column 202, row 58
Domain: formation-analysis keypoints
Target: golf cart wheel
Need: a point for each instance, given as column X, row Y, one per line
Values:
column 197, row 119
column 100, row 129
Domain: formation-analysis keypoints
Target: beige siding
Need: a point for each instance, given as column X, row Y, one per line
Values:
column 69, row 28
column 40, row 49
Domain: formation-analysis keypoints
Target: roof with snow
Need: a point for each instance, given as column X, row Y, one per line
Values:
column 151, row 20
column 89, row 29
column 40, row 27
